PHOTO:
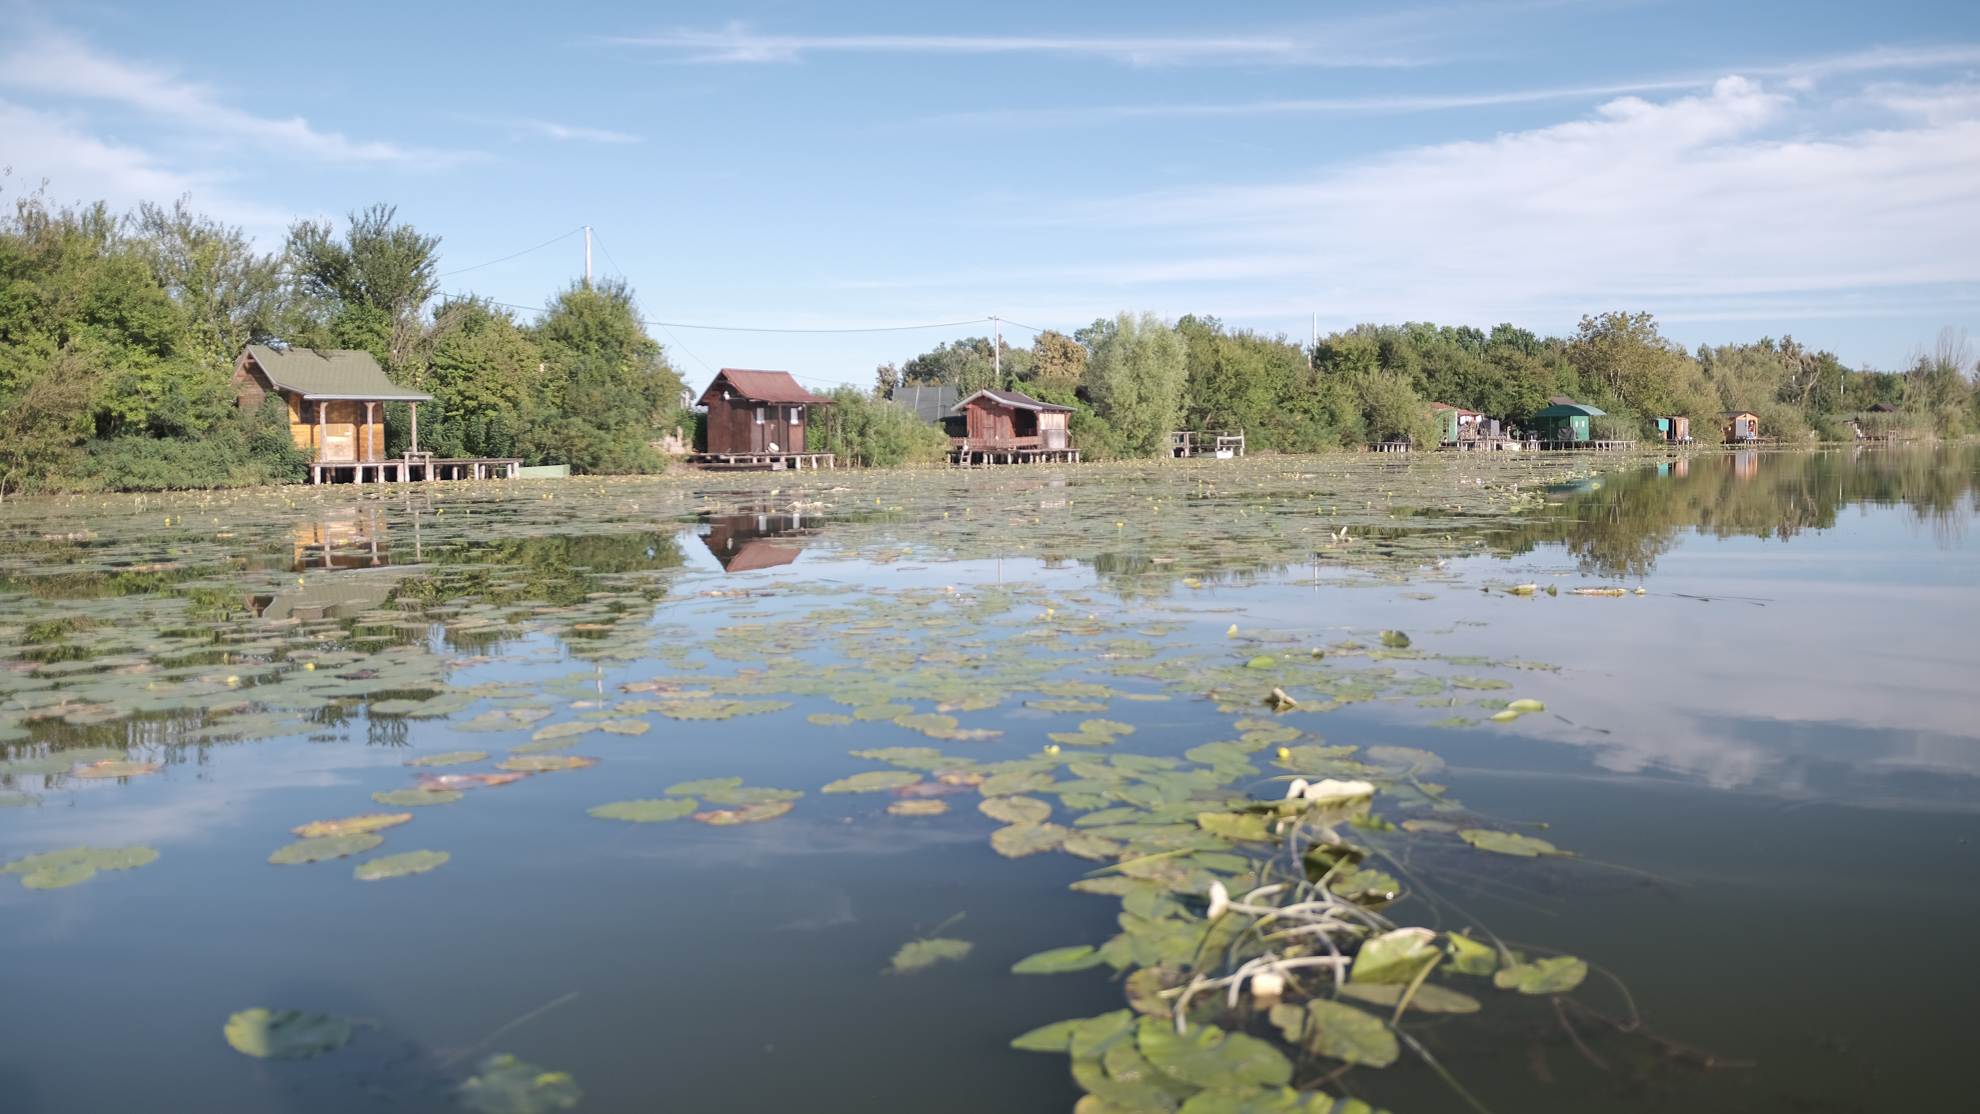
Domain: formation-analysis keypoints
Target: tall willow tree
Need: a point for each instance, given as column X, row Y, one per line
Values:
column 1136, row 377
column 369, row 289
column 607, row 388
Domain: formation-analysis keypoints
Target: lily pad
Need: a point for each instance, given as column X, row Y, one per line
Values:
column 1019, row 840
column 1056, row 1037
column 883, row 711
column 285, row 1034
column 625, row 726
column 318, row 848
column 1469, row 957
column 750, row 795
column 53, row 870
column 506, row 1085
column 1058, row 960
column 450, row 758
column 1396, row 956
column 1240, row 826
column 1339, row 1031
column 919, row 955
column 369, row 822
column 873, row 781
column 117, row 769
column 646, row 811
column 404, row 797
column 541, row 763
column 720, row 709
column 1065, row 705
column 747, row 814
column 564, row 730
column 398, row 866
column 705, row 785
column 441, row 783
column 1015, row 810
column 1480, row 684
column 545, row 746
column 1429, row 997
column 928, row 723
column 1548, row 976
column 829, row 719
column 918, row 807
column 16, row 800
column 1508, row 843
column 1210, row 1057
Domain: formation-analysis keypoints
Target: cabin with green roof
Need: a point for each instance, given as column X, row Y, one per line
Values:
column 336, row 398
column 1565, row 421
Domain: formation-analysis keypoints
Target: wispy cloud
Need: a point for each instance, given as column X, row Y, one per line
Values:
column 58, row 65
column 564, row 131
column 737, row 43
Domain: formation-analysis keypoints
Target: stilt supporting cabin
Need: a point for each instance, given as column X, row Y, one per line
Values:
column 336, row 401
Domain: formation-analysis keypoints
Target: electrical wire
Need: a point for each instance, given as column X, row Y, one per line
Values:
column 670, row 333
column 506, row 258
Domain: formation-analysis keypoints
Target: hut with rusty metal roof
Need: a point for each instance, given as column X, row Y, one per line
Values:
column 757, row 419
column 1010, row 427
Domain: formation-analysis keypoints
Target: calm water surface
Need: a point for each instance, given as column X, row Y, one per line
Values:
column 1766, row 765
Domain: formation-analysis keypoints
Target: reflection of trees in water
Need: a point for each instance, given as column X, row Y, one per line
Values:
column 1636, row 517
column 599, row 553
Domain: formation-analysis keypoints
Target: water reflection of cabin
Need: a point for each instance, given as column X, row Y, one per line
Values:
column 1006, row 427
column 336, row 400
column 1739, row 425
column 741, row 542
column 350, row 538
column 757, row 420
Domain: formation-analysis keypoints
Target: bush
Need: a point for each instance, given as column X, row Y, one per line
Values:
column 864, row 430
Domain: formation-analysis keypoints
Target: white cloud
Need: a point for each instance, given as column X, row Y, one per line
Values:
column 60, row 66
column 1697, row 204
column 565, row 131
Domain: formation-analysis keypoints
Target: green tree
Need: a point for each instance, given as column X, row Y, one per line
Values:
column 1136, row 378
column 369, row 288
column 864, row 429
column 607, row 388
column 230, row 296
column 1057, row 358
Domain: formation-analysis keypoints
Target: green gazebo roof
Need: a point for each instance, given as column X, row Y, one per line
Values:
column 1569, row 410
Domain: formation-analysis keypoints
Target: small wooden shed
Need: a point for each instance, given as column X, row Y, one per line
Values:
column 1456, row 423
column 758, row 417
column 336, row 399
column 1010, row 420
column 1565, row 421
column 1676, row 429
column 1739, row 425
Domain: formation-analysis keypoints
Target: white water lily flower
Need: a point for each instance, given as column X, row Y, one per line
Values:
column 1328, row 789
column 1297, row 789
column 1220, row 900
column 1266, row 988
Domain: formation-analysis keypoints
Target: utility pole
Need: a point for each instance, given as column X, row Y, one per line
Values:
column 997, row 350
column 1316, row 330
column 587, row 257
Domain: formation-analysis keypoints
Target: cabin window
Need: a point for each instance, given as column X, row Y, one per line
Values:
column 759, row 415
column 795, row 419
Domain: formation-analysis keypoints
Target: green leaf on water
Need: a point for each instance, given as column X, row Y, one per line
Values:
column 544, row 763
column 1057, row 960
column 829, row 719
column 883, row 711
column 285, row 1034
column 1244, row 827
column 1339, row 1031
column 417, row 797
column 1469, row 957
column 1395, row 639
column 1482, row 684
column 1056, row 1037
column 326, row 847
column 745, row 814
column 1395, row 956
column 917, row 758
column 1019, row 840
column 1066, row 705
column 53, row 870
column 1279, row 1100
column 1015, row 810
column 545, row 746
column 1548, row 976
column 625, row 726
column 450, row 758
column 506, row 1085
column 928, row 723
column 646, row 811
column 564, row 730
column 16, row 800
column 1210, row 1057
column 1260, row 662
column 919, row 955
column 1429, row 997
column 705, row 785
column 398, row 866
column 1453, row 721
column 873, row 781
column 1508, row 843
column 750, row 795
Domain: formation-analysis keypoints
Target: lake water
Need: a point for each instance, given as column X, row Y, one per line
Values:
column 1762, row 757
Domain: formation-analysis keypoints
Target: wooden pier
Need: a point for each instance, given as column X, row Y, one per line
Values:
column 414, row 467
column 763, row 462
column 1220, row 443
column 1014, row 450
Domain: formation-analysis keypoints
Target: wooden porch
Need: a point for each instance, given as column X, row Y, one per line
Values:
column 1009, row 450
column 764, row 462
column 1220, row 443
column 1564, row 445
column 414, row 467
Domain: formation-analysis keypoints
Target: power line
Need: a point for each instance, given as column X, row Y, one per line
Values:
column 506, row 258
column 755, row 329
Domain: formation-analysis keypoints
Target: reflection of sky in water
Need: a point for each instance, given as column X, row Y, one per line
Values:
column 1808, row 722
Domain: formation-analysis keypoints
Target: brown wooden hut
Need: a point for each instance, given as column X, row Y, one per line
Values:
column 336, row 400
column 1739, row 425
column 1013, row 427
column 758, row 419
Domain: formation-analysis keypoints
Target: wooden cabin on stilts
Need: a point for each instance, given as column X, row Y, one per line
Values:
column 757, row 421
column 1006, row 427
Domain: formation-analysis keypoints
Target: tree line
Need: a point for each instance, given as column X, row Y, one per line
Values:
column 1133, row 379
column 118, row 334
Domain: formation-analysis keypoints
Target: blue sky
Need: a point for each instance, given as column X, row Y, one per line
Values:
column 1739, row 170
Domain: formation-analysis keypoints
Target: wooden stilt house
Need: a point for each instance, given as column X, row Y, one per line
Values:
column 757, row 419
column 1009, row 427
column 1739, row 425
